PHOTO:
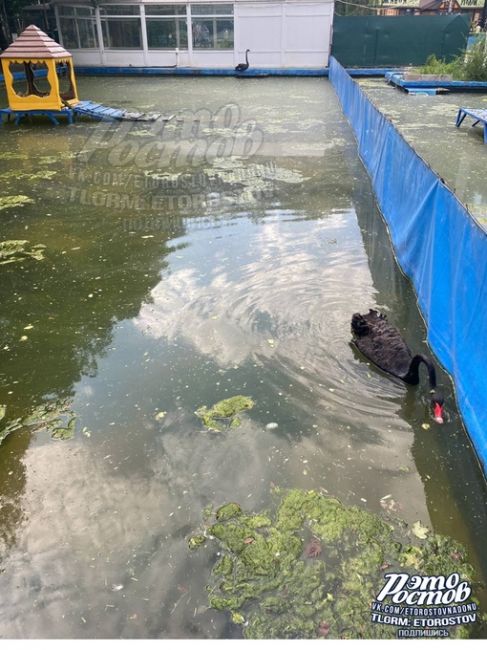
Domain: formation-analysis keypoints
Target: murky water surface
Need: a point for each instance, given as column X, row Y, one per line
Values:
column 223, row 255
column 459, row 155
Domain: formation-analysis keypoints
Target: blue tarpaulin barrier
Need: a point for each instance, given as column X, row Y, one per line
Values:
column 439, row 246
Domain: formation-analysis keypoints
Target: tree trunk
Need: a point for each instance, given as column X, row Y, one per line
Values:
column 5, row 34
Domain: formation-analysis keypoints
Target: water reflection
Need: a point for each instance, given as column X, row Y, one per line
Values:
column 247, row 289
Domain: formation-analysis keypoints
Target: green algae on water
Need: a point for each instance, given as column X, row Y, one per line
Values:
column 9, row 427
column 43, row 175
column 196, row 540
column 266, row 575
column 64, row 433
column 54, row 417
column 223, row 414
column 17, row 250
column 14, row 201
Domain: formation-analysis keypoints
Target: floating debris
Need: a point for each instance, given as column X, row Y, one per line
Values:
column 224, row 414
column 263, row 577
column 160, row 416
column 271, row 425
column 419, row 530
column 17, row 250
column 313, row 548
column 196, row 540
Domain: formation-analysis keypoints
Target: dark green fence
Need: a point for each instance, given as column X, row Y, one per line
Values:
column 376, row 41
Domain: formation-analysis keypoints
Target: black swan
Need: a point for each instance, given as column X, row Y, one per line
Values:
column 241, row 67
column 383, row 344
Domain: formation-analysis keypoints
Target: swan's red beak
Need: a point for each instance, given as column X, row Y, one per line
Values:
column 438, row 413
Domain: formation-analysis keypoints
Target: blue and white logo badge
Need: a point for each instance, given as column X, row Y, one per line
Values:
column 423, row 606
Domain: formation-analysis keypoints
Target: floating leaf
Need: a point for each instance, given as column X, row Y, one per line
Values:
column 419, row 530
column 238, row 618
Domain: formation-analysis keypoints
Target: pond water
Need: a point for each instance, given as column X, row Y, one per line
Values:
column 428, row 123
column 221, row 255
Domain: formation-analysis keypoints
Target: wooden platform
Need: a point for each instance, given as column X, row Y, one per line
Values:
column 479, row 115
column 100, row 112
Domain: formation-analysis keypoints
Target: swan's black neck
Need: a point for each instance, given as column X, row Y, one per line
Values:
column 247, row 57
column 412, row 376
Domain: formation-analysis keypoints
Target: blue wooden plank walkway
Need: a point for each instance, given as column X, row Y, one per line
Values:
column 100, row 112
column 478, row 114
column 84, row 108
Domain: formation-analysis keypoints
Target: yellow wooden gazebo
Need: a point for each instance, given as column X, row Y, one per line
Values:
column 34, row 49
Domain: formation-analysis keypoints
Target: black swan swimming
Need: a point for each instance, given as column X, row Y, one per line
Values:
column 241, row 67
column 383, row 344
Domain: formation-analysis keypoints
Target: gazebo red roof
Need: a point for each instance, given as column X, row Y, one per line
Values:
column 33, row 43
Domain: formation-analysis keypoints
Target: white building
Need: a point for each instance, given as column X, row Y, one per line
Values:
column 278, row 33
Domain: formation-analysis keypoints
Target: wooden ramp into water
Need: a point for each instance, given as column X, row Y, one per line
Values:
column 83, row 108
column 100, row 112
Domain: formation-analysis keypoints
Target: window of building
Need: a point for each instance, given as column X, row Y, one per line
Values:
column 78, row 27
column 121, row 27
column 166, row 26
column 212, row 26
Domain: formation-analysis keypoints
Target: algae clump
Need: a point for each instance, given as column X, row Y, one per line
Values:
column 17, row 250
column 54, row 417
column 196, row 540
column 313, row 568
column 223, row 414
column 15, row 201
column 228, row 511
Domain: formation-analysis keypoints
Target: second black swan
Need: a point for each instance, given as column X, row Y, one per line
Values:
column 241, row 67
column 383, row 344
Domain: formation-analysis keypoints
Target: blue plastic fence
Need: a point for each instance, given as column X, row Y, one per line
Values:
column 438, row 245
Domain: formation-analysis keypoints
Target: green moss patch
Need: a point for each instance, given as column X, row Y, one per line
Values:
column 313, row 568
